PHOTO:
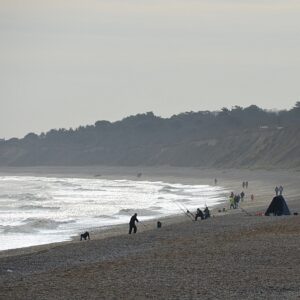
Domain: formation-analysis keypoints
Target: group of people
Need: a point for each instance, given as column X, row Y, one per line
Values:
column 279, row 190
column 245, row 184
column 202, row 214
column 234, row 199
column 205, row 214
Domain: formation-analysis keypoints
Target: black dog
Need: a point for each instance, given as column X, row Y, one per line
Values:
column 85, row 236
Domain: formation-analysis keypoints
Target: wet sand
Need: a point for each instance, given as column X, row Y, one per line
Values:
column 233, row 255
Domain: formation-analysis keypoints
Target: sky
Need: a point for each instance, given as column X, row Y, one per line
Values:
column 66, row 63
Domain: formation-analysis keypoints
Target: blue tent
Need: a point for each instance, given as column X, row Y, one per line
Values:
column 278, row 207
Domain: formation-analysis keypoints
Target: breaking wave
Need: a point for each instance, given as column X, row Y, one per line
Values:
column 140, row 212
column 30, row 197
column 39, row 207
column 32, row 225
column 35, row 210
column 105, row 217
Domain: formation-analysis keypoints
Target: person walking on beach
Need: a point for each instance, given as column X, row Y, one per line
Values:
column 252, row 197
column 246, row 184
column 280, row 190
column 242, row 196
column 132, row 224
column 243, row 185
column 216, row 181
column 276, row 190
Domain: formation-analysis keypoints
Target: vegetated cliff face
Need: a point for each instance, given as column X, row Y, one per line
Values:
column 193, row 139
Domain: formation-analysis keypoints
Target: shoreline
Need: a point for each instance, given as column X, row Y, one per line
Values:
column 104, row 231
column 97, row 233
column 169, row 174
column 224, row 257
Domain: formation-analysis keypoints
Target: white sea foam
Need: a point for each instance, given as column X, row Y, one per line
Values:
column 40, row 210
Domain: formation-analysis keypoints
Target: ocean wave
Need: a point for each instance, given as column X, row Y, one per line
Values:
column 66, row 183
column 39, row 207
column 155, row 207
column 141, row 212
column 43, row 223
column 24, row 197
column 89, row 190
column 32, row 225
column 118, row 186
column 7, row 196
column 48, row 202
column 169, row 189
column 104, row 217
column 182, row 200
column 17, row 229
column 30, row 196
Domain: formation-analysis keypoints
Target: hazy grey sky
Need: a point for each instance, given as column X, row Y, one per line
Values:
column 66, row 63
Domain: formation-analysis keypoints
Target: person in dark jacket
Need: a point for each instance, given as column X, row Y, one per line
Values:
column 206, row 213
column 242, row 196
column 85, row 236
column 236, row 201
column 199, row 214
column 132, row 223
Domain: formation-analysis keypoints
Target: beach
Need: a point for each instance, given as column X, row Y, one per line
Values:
column 236, row 254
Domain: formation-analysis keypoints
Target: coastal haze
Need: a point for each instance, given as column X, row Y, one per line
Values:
column 70, row 63
column 236, row 138
column 181, row 118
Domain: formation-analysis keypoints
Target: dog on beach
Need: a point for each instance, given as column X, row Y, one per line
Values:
column 85, row 236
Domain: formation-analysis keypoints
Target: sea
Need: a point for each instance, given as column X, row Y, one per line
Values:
column 42, row 210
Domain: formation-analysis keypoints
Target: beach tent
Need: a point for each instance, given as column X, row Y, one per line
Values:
column 278, row 207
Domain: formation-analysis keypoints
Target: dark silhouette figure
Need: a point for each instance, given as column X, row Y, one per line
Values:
column 237, row 199
column 280, row 190
column 246, row 184
column 276, row 190
column 85, row 236
column 206, row 213
column 216, row 181
column 231, row 202
column 132, row 224
column 242, row 196
column 200, row 214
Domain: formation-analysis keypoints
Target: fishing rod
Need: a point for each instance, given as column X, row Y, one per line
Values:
column 189, row 211
column 142, row 223
column 247, row 213
column 186, row 212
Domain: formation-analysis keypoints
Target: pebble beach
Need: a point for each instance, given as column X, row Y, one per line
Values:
column 236, row 254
